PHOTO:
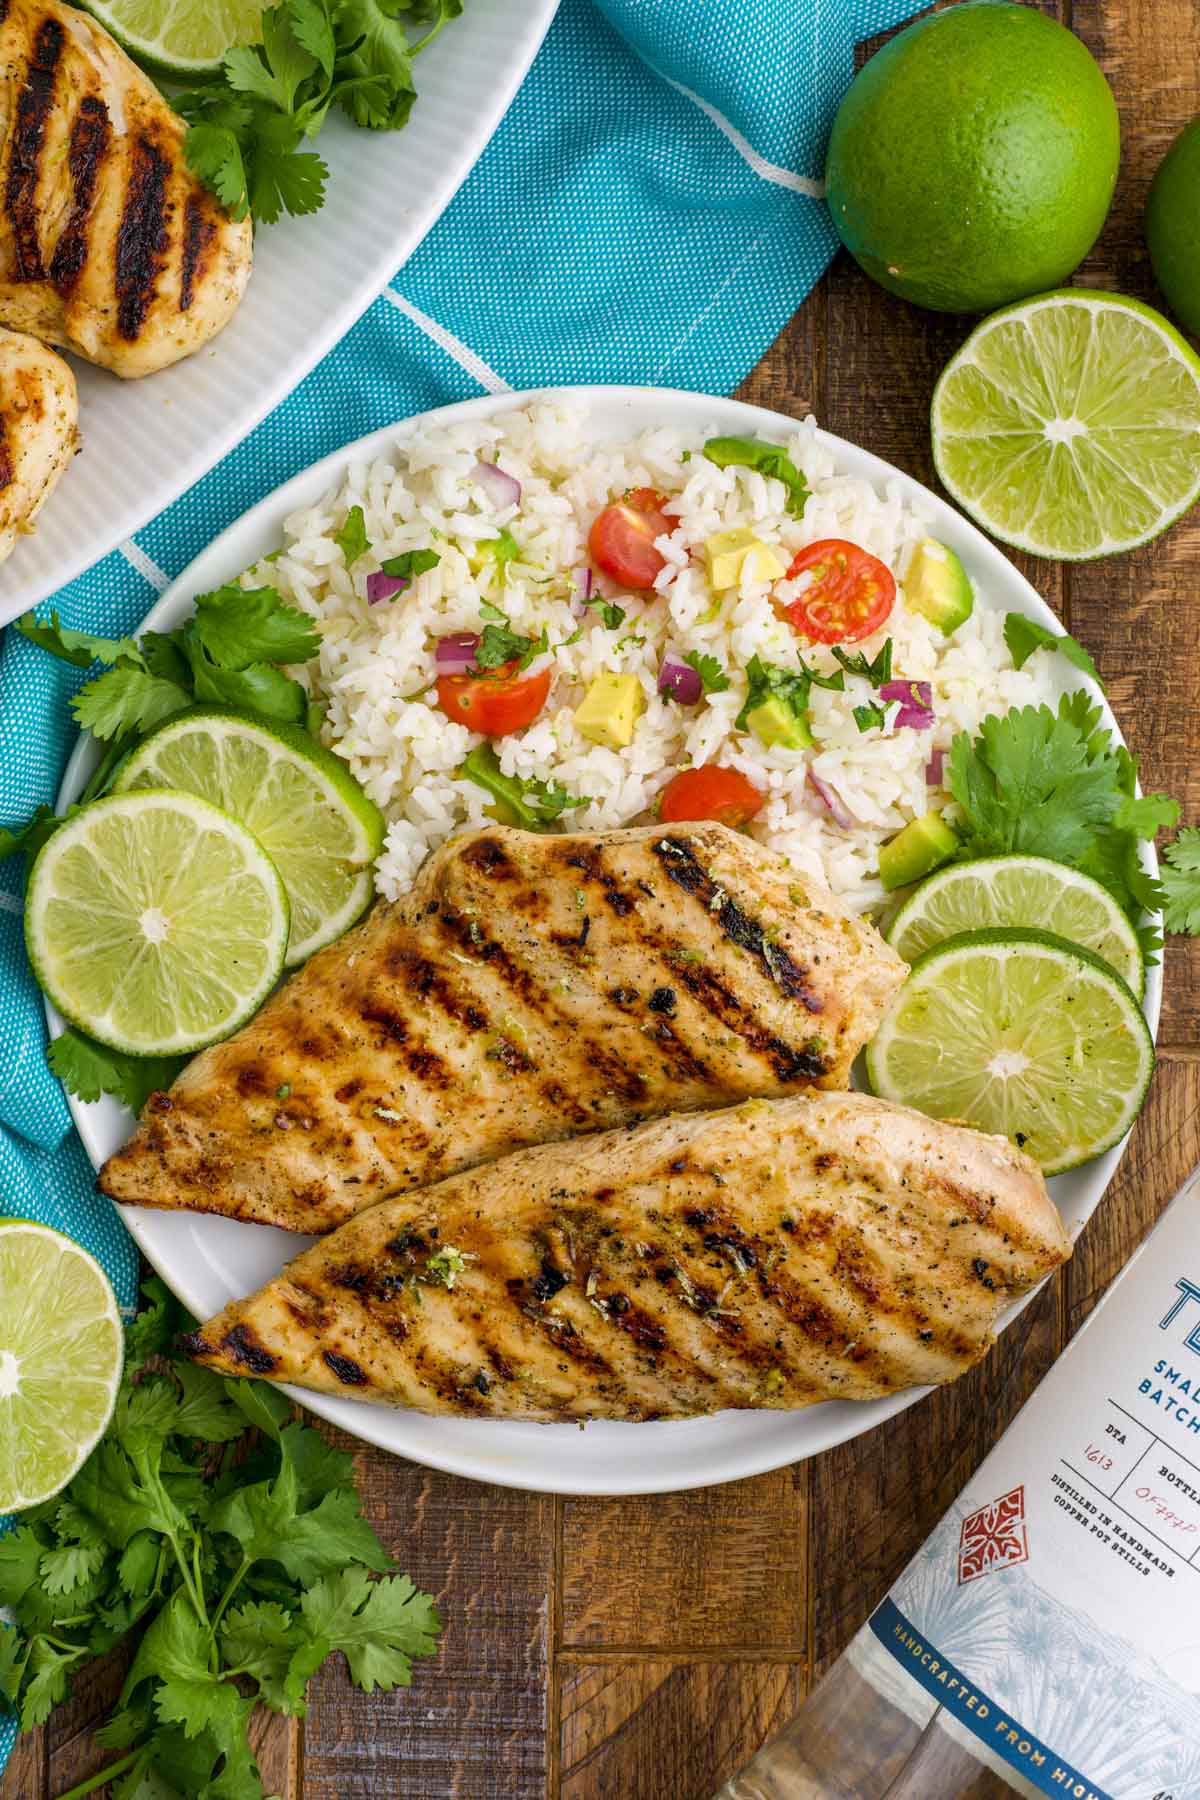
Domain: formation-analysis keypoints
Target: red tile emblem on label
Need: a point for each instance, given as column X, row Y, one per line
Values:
column 994, row 1537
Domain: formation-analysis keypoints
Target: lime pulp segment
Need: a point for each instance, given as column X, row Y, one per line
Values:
column 1069, row 425
column 299, row 800
column 1018, row 891
column 1022, row 1034
column 61, row 1350
column 155, row 922
column 184, row 37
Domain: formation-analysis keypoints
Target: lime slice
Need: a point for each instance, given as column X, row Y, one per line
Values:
column 179, row 37
column 61, row 1350
column 1018, row 890
column 300, row 801
column 155, row 923
column 1069, row 425
column 1020, row 1033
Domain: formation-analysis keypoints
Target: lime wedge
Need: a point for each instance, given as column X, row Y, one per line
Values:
column 155, row 922
column 179, row 37
column 300, row 801
column 1018, row 890
column 61, row 1350
column 1069, row 425
column 1020, row 1033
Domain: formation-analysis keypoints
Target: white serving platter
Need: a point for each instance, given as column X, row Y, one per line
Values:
column 145, row 442
column 207, row 1261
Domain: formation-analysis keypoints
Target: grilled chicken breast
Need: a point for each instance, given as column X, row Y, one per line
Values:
column 109, row 245
column 828, row 1246
column 528, row 988
column 38, row 430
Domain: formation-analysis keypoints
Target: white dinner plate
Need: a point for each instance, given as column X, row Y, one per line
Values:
column 207, row 1261
column 145, row 441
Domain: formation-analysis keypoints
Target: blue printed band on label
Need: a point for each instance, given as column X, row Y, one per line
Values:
column 991, row 1724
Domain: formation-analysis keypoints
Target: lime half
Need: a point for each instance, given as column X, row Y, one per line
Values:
column 1018, row 890
column 61, row 1350
column 180, row 37
column 1019, row 1033
column 299, row 800
column 155, row 922
column 1069, row 425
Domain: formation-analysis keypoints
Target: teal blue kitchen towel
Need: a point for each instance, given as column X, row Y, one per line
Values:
column 649, row 211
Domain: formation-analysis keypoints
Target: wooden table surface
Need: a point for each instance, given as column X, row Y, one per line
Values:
column 643, row 1649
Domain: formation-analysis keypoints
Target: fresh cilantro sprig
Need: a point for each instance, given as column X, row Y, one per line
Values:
column 768, row 459
column 248, row 127
column 1024, row 635
column 876, row 671
column 1056, row 784
column 500, row 644
column 351, row 536
column 227, row 654
column 88, row 1070
column 532, row 804
column 1180, row 878
column 713, row 678
column 233, row 1540
column 791, row 687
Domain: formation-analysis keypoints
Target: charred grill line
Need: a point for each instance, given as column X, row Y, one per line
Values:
column 29, row 130
column 91, row 137
column 142, row 237
column 199, row 230
column 7, row 467
column 676, row 857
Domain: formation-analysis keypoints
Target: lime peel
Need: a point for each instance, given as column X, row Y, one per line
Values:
column 180, row 37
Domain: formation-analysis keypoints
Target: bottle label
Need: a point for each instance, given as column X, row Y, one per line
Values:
column 1055, row 1611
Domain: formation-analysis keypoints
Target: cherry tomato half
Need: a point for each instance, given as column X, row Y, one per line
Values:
column 622, row 537
column 710, row 793
column 494, row 703
column 850, row 596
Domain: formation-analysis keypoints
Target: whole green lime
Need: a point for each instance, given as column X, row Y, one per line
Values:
column 973, row 160
column 1173, row 225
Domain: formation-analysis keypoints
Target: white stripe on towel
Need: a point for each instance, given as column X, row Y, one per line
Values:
column 145, row 565
column 799, row 184
column 463, row 355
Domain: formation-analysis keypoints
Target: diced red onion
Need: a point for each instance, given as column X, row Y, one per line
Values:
column 680, row 682
column 384, row 587
column 501, row 488
column 832, row 801
column 916, row 704
column 456, row 653
column 935, row 769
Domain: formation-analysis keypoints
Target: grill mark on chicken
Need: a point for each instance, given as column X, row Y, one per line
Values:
column 91, row 137
column 29, row 130
column 142, row 235
column 199, row 233
column 676, row 857
column 7, row 468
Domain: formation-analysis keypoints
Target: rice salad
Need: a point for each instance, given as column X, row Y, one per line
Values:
column 827, row 808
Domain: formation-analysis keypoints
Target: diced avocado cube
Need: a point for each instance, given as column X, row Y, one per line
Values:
column 916, row 851
column 609, row 710
column 773, row 722
column 938, row 587
column 734, row 556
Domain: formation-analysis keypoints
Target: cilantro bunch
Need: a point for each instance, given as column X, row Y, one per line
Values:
column 232, row 1541
column 227, row 654
column 247, row 127
column 1057, row 784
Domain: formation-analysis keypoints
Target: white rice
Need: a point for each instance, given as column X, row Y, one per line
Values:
column 376, row 663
